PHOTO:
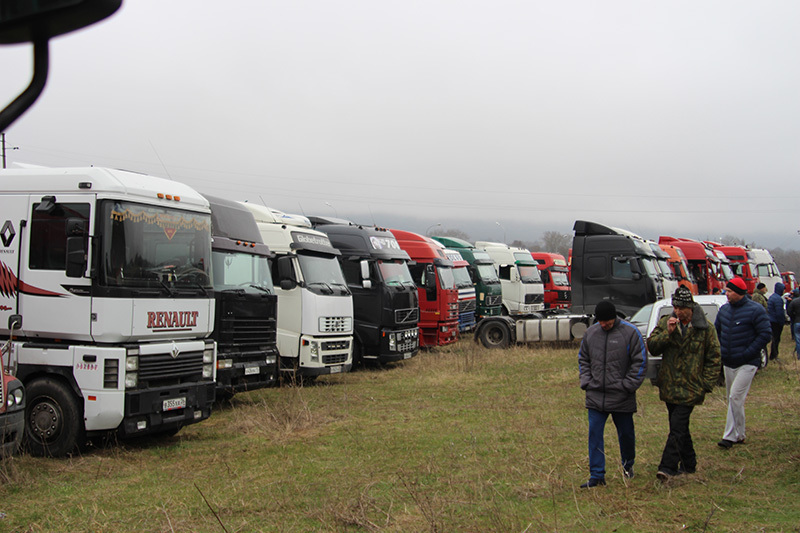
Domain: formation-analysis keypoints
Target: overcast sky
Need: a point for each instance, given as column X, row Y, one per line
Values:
column 502, row 118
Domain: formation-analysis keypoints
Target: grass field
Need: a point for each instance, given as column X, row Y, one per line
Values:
column 456, row 439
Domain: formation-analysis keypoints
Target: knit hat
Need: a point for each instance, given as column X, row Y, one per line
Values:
column 737, row 285
column 761, row 286
column 605, row 310
column 682, row 297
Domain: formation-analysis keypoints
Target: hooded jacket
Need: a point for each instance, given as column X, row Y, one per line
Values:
column 743, row 330
column 690, row 363
column 612, row 365
column 775, row 305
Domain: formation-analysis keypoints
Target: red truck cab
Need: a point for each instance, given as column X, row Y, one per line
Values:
column 677, row 262
column 741, row 265
column 790, row 281
column 554, row 271
column 12, row 412
column 704, row 265
column 432, row 272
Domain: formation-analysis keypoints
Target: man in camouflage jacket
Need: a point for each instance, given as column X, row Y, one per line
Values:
column 690, row 367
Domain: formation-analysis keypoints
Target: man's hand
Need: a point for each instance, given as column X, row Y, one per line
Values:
column 672, row 323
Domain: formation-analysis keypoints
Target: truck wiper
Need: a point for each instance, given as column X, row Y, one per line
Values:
column 260, row 288
column 167, row 287
column 205, row 292
column 323, row 284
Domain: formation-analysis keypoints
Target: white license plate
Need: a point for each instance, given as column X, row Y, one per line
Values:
column 250, row 370
column 174, row 403
column 407, row 355
column 336, row 369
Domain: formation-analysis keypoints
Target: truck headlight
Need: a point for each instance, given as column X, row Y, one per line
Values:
column 208, row 354
column 18, row 396
column 131, row 363
column 208, row 371
column 314, row 350
column 271, row 360
column 392, row 342
column 223, row 363
column 131, row 380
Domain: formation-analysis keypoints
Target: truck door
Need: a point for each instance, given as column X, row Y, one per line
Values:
column 50, row 301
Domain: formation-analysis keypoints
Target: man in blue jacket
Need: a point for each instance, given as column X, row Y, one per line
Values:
column 777, row 318
column 612, row 362
column 743, row 330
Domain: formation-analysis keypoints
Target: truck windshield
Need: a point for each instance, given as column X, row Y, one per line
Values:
column 322, row 273
column 726, row 271
column 648, row 267
column 395, row 273
column 149, row 246
column 487, row 274
column 462, row 277
column 664, row 267
column 559, row 278
column 529, row 274
column 446, row 279
column 247, row 272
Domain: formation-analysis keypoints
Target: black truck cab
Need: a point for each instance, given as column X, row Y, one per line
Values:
column 385, row 301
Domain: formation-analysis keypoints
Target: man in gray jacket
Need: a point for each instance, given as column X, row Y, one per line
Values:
column 612, row 362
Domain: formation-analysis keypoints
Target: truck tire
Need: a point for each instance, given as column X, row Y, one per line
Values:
column 53, row 420
column 494, row 335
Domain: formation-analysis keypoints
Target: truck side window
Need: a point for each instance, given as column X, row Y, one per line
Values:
column 48, row 248
column 621, row 269
column 352, row 272
column 596, row 267
column 418, row 274
column 505, row 271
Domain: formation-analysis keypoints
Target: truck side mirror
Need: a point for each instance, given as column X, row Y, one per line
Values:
column 286, row 270
column 76, row 256
column 365, row 281
column 288, row 284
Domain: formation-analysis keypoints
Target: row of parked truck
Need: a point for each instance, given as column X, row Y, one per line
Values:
column 130, row 304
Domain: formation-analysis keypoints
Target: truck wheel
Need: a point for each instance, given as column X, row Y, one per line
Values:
column 494, row 336
column 53, row 421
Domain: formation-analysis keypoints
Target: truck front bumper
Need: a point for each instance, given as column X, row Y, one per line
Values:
column 166, row 408
column 12, row 427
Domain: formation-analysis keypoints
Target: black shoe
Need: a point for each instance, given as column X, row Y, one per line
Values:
column 664, row 474
column 627, row 473
column 593, row 483
column 725, row 444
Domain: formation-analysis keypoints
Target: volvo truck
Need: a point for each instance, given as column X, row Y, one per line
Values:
column 488, row 292
column 385, row 300
column 108, row 303
column 555, row 277
column 523, row 291
column 432, row 272
column 245, row 322
column 315, row 307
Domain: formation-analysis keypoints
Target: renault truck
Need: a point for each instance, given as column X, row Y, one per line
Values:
column 315, row 306
column 432, row 273
column 107, row 302
column 385, row 300
column 245, row 321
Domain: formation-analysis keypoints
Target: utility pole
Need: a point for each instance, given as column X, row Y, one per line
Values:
column 3, row 149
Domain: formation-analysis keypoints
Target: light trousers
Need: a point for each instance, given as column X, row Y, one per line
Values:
column 737, row 385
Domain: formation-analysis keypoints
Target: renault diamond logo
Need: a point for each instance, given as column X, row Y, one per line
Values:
column 175, row 351
column 7, row 233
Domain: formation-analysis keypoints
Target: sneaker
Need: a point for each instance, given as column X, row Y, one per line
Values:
column 725, row 444
column 593, row 483
column 628, row 473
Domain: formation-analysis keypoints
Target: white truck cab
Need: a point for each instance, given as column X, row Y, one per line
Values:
column 315, row 307
column 523, row 290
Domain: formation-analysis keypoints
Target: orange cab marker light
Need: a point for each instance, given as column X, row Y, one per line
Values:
column 92, row 398
column 177, row 198
column 169, row 197
column 160, row 196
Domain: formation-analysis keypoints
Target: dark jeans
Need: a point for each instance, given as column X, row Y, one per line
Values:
column 678, row 453
column 597, row 452
column 777, row 329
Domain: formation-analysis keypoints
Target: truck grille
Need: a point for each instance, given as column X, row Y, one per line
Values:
column 250, row 336
column 565, row 296
column 452, row 311
column 406, row 316
column 335, row 345
column 163, row 369
column 534, row 298
column 494, row 299
column 465, row 306
column 334, row 359
column 335, row 324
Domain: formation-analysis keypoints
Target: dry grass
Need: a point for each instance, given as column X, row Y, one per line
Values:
column 456, row 439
